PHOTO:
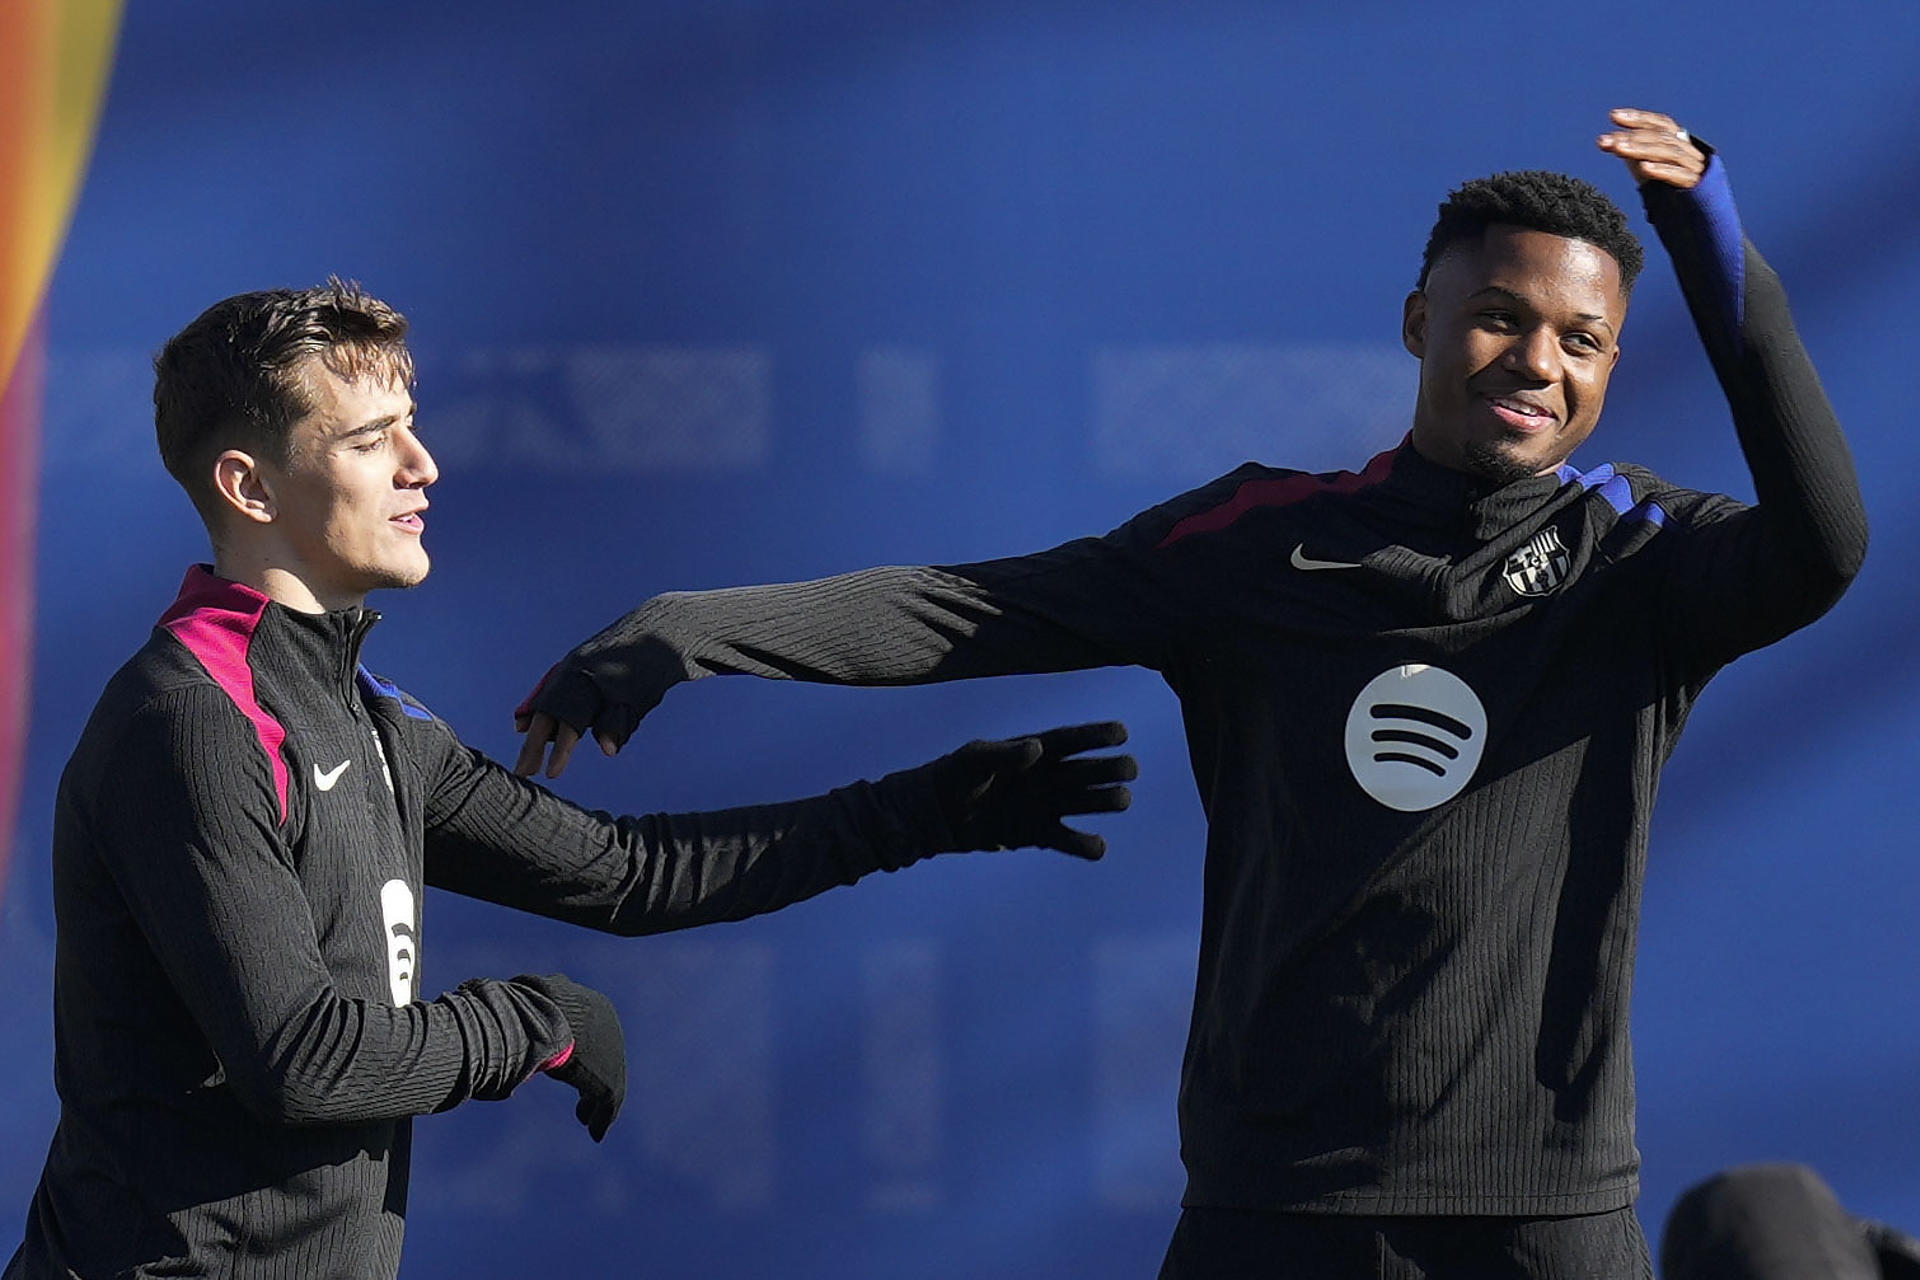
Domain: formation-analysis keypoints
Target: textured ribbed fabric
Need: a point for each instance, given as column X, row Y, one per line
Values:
column 1426, row 718
column 240, row 846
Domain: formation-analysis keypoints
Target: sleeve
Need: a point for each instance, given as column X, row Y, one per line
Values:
column 1744, row 576
column 209, row 878
column 1119, row 600
column 498, row 837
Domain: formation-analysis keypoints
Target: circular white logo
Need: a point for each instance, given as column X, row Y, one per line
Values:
column 1414, row 737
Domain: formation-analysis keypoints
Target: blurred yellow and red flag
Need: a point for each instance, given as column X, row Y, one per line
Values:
column 54, row 60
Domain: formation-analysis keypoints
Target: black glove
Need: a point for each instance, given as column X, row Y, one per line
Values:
column 1005, row 795
column 597, row 1067
column 568, row 703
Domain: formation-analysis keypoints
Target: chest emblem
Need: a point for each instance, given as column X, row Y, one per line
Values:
column 1538, row 568
column 1414, row 737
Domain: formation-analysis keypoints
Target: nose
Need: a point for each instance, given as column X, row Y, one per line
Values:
column 1535, row 354
column 417, row 467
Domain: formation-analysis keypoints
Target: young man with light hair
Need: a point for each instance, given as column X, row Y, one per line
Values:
column 245, row 830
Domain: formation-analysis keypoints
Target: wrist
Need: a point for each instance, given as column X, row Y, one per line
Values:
column 921, row 814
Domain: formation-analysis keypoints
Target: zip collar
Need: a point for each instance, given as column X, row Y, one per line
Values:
column 1461, row 502
column 322, row 646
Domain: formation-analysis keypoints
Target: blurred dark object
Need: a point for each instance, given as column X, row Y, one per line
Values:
column 1778, row 1222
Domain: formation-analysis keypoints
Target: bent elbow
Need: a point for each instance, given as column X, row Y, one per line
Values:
column 276, row 1096
column 314, row 1070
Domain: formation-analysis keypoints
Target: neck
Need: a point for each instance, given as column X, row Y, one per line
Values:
column 281, row 582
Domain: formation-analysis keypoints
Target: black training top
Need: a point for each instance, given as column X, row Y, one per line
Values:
column 1426, row 717
column 240, row 844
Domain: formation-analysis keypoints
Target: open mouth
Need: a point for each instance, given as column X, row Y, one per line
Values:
column 1521, row 414
column 411, row 522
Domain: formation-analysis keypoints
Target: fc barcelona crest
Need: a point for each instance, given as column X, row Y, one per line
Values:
column 1539, row 567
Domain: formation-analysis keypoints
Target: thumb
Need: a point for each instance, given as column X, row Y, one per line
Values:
column 1080, row 844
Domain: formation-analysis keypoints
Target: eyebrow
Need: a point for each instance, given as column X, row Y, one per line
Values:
column 1584, row 316
column 377, row 424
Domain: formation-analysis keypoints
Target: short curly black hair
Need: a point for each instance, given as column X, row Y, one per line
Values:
column 1539, row 200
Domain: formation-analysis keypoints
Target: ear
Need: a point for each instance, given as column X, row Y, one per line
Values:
column 242, row 485
column 1413, row 324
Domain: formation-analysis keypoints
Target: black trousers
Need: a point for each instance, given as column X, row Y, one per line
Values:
column 1237, row 1244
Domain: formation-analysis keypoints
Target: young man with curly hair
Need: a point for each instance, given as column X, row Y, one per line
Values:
column 1427, row 703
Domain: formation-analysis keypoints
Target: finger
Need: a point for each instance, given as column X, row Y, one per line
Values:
column 994, row 755
column 1650, row 146
column 565, row 739
column 1068, row 739
column 1114, row 799
column 608, row 747
column 594, row 1116
column 1094, row 771
column 1080, row 844
column 614, row 724
column 1634, row 117
column 1683, row 176
column 539, row 731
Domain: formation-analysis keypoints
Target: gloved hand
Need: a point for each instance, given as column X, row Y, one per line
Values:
column 568, row 696
column 597, row 1064
column 1013, row 793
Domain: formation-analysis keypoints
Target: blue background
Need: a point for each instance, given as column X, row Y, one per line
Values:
column 722, row 291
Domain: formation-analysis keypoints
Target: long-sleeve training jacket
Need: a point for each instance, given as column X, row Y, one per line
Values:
column 1426, row 716
column 240, row 846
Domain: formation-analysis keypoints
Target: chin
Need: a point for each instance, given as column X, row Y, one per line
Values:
column 1499, row 462
column 398, row 577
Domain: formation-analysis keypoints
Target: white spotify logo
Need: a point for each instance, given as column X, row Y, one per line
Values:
column 1414, row 737
column 403, row 947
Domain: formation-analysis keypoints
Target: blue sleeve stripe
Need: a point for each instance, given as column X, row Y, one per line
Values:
column 1713, row 208
column 387, row 689
column 1618, row 493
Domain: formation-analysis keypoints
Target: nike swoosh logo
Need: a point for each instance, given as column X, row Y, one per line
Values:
column 325, row 781
column 1301, row 561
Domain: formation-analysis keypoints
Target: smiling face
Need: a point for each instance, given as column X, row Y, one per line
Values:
column 1516, row 336
column 345, row 506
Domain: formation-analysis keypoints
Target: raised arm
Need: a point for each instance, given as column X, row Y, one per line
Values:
column 1743, row 576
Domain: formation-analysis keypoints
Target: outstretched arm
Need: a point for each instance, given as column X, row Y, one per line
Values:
column 1110, row 601
column 1744, row 576
column 495, row 836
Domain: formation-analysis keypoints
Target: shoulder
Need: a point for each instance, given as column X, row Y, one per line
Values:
column 389, row 696
column 1636, row 493
column 160, row 732
column 161, row 683
column 1249, row 491
column 421, row 735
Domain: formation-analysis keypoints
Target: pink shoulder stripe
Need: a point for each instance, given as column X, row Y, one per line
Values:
column 1278, row 492
column 216, row 620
